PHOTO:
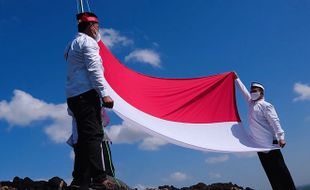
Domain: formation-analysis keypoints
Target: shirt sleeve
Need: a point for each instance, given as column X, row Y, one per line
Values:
column 66, row 53
column 274, row 121
column 244, row 90
column 94, row 66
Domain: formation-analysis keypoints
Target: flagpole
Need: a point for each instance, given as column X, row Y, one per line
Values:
column 81, row 6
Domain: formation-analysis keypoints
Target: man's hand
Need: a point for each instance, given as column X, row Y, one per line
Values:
column 282, row 143
column 107, row 102
column 236, row 75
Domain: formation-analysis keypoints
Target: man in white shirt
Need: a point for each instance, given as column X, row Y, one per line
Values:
column 86, row 93
column 265, row 130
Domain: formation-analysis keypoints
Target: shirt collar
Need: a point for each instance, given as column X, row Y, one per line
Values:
column 81, row 34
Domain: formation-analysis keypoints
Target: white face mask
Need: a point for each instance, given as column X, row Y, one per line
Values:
column 95, row 33
column 98, row 37
column 255, row 95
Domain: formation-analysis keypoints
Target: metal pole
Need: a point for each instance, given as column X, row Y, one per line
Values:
column 81, row 5
column 87, row 2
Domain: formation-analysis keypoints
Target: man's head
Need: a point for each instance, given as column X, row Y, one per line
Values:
column 257, row 91
column 88, row 23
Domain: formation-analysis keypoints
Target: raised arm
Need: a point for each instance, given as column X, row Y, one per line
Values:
column 243, row 89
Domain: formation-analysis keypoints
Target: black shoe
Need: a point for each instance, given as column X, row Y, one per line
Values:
column 104, row 184
column 117, row 184
column 73, row 187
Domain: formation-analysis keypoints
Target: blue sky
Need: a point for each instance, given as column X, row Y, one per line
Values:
column 266, row 41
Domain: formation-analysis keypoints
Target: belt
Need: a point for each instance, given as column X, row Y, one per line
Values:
column 87, row 94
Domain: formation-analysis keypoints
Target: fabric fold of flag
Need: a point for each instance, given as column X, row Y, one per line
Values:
column 198, row 113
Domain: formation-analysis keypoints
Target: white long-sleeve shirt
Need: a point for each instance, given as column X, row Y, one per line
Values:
column 84, row 68
column 264, row 123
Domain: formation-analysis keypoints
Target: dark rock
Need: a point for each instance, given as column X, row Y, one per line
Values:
column 57, row 183
column 167, row 187
column 18, row 183
column 225, row 186
column 7, row 185
column 38, row 185
column 199, row 186
column 28, row 183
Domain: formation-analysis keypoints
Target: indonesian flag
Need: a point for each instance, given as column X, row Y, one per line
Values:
column 198, row 113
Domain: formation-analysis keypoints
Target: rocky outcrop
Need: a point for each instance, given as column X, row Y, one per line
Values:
column 54, row 183
column 202, row 186
column 57, row 183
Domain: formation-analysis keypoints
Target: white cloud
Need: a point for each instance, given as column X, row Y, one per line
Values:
column 59, row 131
column 125, row 133
column 303, row 90
column 112, row 37
column 145, row 56
column 218, row 159
column 151, row 143
column 24, row 109
column 212, row 175
column 179, row 176
column 129, row 134
column 246, row 154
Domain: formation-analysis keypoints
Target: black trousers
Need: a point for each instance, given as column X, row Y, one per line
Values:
column 276, row 170
column 88, row 163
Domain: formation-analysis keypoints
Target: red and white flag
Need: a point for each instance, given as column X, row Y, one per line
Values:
column 198, row 113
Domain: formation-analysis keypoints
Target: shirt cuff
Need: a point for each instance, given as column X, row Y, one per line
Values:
column 101, row 93
column 280, row 136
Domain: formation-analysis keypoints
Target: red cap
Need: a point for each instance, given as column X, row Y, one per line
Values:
column 87, row 17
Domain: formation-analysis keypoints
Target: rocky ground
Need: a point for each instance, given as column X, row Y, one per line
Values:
column 57, row 183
